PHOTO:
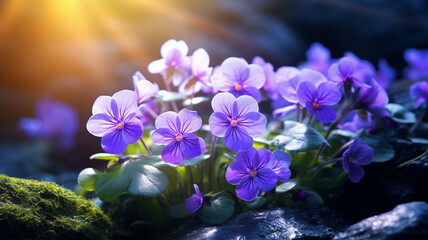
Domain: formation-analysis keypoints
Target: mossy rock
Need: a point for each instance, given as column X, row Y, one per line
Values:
column 32, row 209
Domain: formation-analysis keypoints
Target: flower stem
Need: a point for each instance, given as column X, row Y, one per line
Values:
column 168, row 88
column 325, row 163
column 310, row 120
column 413, row 159
column 298, row 112
column 419, row 120
column 211, row 166
column 183, row 191
column 342, row 148
column 145, row 146
column 191, row 98
column 150, row 111
column 189, row 169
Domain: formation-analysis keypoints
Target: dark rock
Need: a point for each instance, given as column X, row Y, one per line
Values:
column 316, row 222
column 405, row 221
column 384, row 185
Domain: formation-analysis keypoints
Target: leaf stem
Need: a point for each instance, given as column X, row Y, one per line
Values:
column 342, row 148
column 413, row 159
column 325, row 163
column 189, row 169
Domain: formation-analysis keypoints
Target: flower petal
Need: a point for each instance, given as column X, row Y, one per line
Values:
column 247, row 189
column 126, row 103
column 246, row 104
column 106, row 105
column 237, row 139
column 329, row 93
column 256, row 77
column 248, row 91
column 99, row 124
column 157, row 66
column 223, row 102
column 132, row 131
column 263, row 159
column 192, row 146
column 345, row 66
column 355, row 173
column 325, row 114
column 265, row 179
column 248, row 158
column 193, row 203
column 253, row 122
column 167, row 120
column 171, row 153
column 235, row 172
column 219, row 123
column 287, row 87
column 163, row 136
column 113, row 143
column 190, row 121
column 306, row 93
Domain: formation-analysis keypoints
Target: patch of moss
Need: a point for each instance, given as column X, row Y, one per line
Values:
column 31, row 209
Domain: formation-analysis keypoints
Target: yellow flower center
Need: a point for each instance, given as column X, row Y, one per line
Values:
column 253, row 174
column 351, row 160
column 179, row 138
column 238, row 87
column 234, row 122
column 120, row 126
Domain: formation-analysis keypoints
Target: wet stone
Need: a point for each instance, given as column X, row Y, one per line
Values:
column 315, row 222
column 405, row 221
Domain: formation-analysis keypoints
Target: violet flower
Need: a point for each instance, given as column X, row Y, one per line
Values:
column 144, row 89
column 148, row 112
column 54, row 120
column 239, row 78
column 201, row 73
column 251, row 172
column 280, row 165
column 345, row 72
column 194, row 203
column 418, row 63
column 237, row 120
column 385, row 75
column 419, row 91
column 318, row 58
column 270, row 83
column 318, row 100
column 357, row 154
column 373, row 99
column 115, row 120
column 176, row 132
column 174, row 64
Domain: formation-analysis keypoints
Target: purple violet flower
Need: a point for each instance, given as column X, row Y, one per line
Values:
column 419, row 91
column 386, row 74
column 54, row 120
column 418, row 63
column 115, row 120
column 373, row 98
column 148, row 112
column 194, row 203
column 356, row 155
column 176, row 132
column 239, row 78
column 318, row 100
column 174, row 64
column 318, row 58
column 143, row 88
column 345, row 70
column 280, row 165
column 270, row 83
column 201, row 73
column 252, row 172
column 237, row 120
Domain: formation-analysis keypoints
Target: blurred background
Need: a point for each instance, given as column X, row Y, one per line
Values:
column 76, row 50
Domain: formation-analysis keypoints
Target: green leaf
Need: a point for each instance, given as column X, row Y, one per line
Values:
column 343, row 133
column 256, row 203
column 195, row 101
column 178, row 211
column 194, row 161
column 165, row 96
column 104, row 156
column 313, row 198
column 220, row 210
column 229, row 156
column 383, row 151
column 297, row 137
column 133, row 176
column 400, row 114
column 287, row 186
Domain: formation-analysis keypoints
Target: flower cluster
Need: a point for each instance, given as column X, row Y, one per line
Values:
column 236, row 143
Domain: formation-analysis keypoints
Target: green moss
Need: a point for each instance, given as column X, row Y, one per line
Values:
column 42, row 210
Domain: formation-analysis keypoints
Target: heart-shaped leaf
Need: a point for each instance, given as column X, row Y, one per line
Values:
column 220, row 210
column 297, row 137
column 400, row 114
column 286, row 186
